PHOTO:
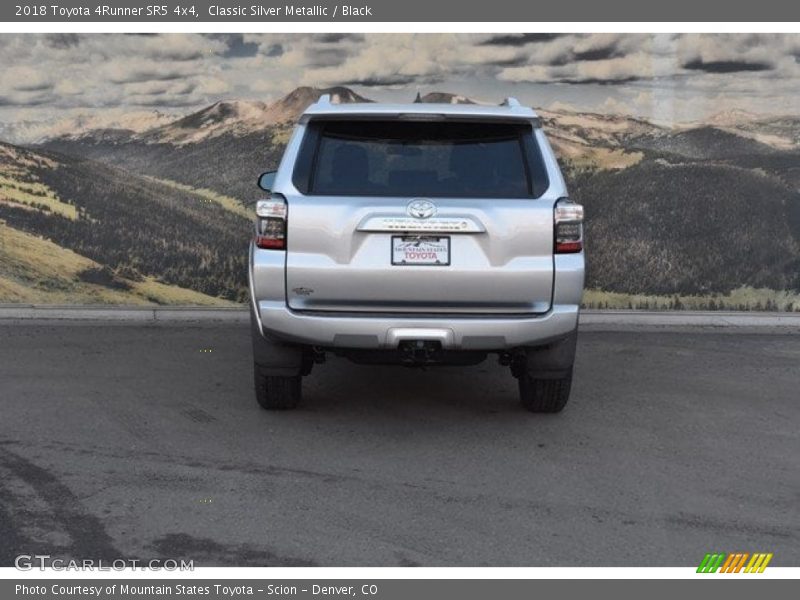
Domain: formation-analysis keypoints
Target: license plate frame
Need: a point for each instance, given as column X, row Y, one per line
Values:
column 428, row 261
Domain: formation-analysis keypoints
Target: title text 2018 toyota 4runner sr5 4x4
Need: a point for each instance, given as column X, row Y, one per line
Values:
column 416, row 234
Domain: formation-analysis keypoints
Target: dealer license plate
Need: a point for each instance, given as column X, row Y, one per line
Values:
column 420, row 250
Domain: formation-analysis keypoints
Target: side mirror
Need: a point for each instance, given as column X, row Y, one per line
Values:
column 267, row 180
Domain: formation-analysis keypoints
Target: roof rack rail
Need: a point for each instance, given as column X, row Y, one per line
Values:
column 511, row 102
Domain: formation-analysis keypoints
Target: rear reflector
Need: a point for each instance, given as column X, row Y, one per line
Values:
column 568, row 223
column 568, row 247
column 269, row 243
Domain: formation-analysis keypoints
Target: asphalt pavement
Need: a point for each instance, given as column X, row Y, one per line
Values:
column 144, row 441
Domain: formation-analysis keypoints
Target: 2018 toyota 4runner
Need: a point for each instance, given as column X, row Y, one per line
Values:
column 416, row 234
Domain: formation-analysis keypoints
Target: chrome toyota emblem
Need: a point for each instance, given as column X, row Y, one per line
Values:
column 421, row 209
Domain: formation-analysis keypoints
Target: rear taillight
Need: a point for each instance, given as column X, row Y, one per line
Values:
column 271, row 223
column 568, row 220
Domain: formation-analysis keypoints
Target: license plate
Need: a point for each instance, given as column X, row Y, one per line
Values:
column 420, row 250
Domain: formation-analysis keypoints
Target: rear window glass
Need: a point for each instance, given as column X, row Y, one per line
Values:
column 401, row 158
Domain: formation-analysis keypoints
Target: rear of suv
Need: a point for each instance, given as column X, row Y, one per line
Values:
column 416, row 234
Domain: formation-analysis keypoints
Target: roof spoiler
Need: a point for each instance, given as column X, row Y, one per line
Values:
column 514, row 106
column 513, row 103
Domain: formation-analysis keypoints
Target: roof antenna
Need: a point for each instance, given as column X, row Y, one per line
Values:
column 418, row 99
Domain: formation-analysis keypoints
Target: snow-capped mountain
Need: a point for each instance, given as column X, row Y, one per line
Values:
column 243, row 117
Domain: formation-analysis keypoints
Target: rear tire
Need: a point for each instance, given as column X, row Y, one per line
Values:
column 544, row 395
column 277, row 392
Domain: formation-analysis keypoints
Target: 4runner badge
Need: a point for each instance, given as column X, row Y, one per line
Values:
column 421, row 209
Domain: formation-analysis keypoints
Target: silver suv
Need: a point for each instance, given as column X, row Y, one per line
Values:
column 417, row 234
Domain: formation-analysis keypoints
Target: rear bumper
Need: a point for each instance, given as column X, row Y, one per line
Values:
column 379, row 331
column 267, row 279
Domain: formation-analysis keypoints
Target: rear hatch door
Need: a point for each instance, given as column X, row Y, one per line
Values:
column 420, row 217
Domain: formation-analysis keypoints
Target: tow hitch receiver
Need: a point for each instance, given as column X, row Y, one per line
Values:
column 420, row 352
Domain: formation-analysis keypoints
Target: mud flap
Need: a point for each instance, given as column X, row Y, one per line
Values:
column 273, row 357
column 553, row 361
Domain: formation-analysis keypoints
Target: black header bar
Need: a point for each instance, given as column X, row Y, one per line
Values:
column 244, row 11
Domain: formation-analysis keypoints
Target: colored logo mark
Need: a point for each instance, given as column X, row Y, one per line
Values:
column 735, row 562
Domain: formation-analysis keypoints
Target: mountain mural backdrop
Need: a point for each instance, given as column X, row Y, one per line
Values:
column 155, row 209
